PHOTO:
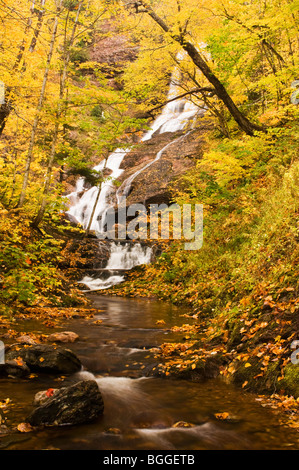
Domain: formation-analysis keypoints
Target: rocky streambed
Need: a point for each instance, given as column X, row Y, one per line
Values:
column 95, row 387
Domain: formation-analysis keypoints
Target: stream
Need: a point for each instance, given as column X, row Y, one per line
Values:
column 141, row 411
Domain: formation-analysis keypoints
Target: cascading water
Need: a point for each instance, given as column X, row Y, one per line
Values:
column 174, row 117
column 126, row 256
column 123, row 256
column 83, row 206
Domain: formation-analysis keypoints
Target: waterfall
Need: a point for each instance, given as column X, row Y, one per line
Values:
column 82, row 206
column 123, row 256
column 127, row 256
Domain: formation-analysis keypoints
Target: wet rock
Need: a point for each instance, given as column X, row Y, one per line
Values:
column 85, row 254
column 25, row 339
column 44, row 395
column 227, row 417
column 154, row 184
column 208, row 369
column 46, row 358
column 3, row 429
column 63, row 337
column 14, row 368
column 77, row 404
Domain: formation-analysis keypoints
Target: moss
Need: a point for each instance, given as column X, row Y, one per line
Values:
column 290, row 383
column 235, row 336
column 256, row 382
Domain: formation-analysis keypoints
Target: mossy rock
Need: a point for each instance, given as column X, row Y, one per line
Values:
column 266, row 383
column 235, row 336
column 290, row 383
column 207, row 369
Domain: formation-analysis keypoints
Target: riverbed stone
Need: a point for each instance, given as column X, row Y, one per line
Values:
column 80, row 403
column 14, row 368
column 44, row 395
column 46, row 358
column 63, row 337
column 25, row 339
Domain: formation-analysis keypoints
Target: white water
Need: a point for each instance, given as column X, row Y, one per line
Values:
column 82, row 207
column 124, row 389
column 123, row 256
column 176, row 114
column 99, row 284
column 174, row 117
column 127, row 256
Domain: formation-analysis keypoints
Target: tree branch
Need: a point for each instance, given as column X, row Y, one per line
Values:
column 209, row 90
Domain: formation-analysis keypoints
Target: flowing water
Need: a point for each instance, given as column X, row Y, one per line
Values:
column 89, row 207
column 140, row 410
column 174, row 117
column 123, row 257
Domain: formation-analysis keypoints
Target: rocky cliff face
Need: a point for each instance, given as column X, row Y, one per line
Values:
column 153, row 185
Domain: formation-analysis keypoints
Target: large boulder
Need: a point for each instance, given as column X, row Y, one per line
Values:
column 63, row 337
column 45, row 358
column 14, row 368
column 77, row 404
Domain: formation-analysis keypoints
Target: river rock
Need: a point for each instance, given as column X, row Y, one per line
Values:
column 63, row 337
column 14, row 368
column 46, row 358
column 25, row 339
column 77, row 404
column 44, row 395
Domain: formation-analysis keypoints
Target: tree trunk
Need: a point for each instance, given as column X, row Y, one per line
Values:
column 38, row 26
column 39, row 108
column 67, row 51
column 242, row 121
column 93, row 212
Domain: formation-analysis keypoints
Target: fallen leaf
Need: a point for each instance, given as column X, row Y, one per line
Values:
column 222, row 416
column 19, row 361
column 4, row 402
column 24, row 427
column 182, row 424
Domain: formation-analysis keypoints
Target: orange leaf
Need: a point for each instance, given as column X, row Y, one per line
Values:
column 24, row 427
column 224, row 415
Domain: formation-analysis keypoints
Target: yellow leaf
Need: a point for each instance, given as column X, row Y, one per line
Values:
column 41, row 359
column 182, row 424
column 193, row 366
column 4, row 402
column 224, row 415
column 247, row 364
